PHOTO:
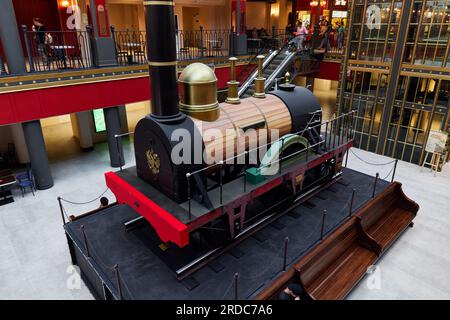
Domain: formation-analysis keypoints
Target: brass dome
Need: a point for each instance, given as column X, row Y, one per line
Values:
column 197, row 73
column 198, row 92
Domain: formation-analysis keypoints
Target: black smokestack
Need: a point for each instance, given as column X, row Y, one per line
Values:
column 162, row 58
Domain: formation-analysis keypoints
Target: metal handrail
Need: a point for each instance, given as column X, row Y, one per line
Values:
column 255, row 71
column 282, row 65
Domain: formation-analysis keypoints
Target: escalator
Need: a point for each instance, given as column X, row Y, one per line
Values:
column 274, row 66
column 278, row 59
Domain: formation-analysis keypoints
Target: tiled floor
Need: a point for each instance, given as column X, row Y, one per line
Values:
column 34, row 257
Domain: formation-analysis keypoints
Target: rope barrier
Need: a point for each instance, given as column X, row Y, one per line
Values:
column 87, row 202
column 389, row 173
column 371, row 163
column 93, row 253
column 228, row 290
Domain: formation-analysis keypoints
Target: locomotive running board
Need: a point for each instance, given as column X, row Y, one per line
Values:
column 206, row 258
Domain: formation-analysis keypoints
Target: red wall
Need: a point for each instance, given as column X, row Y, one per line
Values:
column 328, row 70
column 42, row 103
column 47, row 10
column 26, row 10
column 37, row 104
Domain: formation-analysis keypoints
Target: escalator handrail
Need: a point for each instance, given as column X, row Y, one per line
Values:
column 281, row 66
column 252, row 77
column 261, row 51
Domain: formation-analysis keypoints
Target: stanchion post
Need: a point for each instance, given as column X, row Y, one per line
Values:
column 280, row 155
column 188, row 177
column 62, row 210
column 236, row 277
column 350, row 209
column 346, row 157
column 395, row 169
column 335, row 127
column 245, row 169
column 286, row 241
column 118, row 150
column 322, row 229
column 375, row 185
column 119, row 286
column 85, row 240
column 326, row 135
column 307, row 151
column 221, row 181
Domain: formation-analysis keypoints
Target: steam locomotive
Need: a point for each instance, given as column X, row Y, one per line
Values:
column 218, row 169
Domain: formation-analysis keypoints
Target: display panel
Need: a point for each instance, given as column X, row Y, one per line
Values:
column 99, row 120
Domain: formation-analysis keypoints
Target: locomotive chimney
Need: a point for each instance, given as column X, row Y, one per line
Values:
column 162, row 59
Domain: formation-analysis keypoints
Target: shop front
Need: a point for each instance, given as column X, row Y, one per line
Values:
column 309, row 11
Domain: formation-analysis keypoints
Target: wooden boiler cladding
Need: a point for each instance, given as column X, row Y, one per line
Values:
column 252, row 113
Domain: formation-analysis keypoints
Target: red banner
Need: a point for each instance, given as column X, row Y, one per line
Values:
column 102, row 18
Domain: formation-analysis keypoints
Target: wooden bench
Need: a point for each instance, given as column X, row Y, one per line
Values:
column 335, row 265
column 385, row 219
column 279, row 284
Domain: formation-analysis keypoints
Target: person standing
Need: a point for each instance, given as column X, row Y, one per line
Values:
column 300, row 34
column 326, row 29
column 39, row 28
column 340, row 32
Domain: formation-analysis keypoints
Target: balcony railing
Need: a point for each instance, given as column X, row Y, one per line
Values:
column 57, row 50
column 131, row 45
column 73, row 50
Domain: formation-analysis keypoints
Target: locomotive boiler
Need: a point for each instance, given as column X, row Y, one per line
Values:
column 278, row 113
column 206, row 187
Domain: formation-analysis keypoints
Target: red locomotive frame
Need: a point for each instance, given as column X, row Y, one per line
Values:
column 171, row 229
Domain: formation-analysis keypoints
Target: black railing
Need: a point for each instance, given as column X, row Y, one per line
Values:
column 195, row 44
column 256, row 44
column 56, row 50
column 332, row 134
column 59, row 50
column 130, row 46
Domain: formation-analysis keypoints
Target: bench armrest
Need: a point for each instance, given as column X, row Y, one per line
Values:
column 366, row 239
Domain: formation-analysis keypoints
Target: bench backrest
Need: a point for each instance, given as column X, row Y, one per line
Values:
column 320, row 258
column 374, row 210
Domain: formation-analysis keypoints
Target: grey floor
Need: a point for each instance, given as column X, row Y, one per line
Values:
column 35, row 263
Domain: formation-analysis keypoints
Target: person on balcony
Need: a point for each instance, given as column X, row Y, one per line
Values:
column 340, row 36
column 300, row 36
column 40, row 37
column 325, row 33
column 255, row 33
